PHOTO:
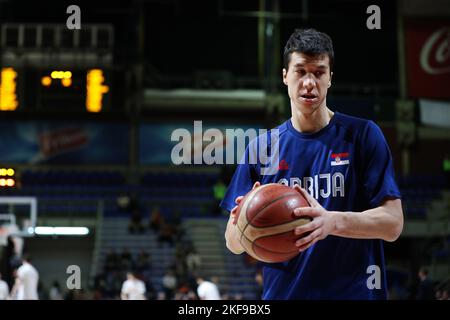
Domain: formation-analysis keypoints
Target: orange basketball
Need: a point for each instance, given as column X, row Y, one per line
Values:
column 266, row 222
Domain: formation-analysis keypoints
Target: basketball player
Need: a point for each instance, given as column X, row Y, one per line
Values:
column 133, row 288
column 27, row 278
column 207, row 290
column 4, row 289
column 344, row 167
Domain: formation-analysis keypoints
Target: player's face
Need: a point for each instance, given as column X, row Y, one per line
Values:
column 308, row 79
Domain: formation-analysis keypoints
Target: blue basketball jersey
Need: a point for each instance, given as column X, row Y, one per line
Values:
column 346, row 166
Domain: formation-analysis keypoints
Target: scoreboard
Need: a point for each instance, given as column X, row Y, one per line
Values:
column 61, row 89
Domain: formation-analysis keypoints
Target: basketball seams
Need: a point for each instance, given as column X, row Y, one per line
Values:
column 254, row 233
column 249, row 246
column 271, row 251
column 265, row 207
column 268, row 204
column 243, row 222
column 250, row 233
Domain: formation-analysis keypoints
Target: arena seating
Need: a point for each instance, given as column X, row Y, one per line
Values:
column 67, row 193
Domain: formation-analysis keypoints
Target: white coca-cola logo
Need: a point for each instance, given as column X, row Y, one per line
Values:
column 435, row 54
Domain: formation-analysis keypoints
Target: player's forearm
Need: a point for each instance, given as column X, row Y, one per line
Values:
column 384, row 222
column 13, row 292
column 231, row 236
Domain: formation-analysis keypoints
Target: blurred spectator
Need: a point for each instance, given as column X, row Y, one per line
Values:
column 112, row 260
column 114, row 281
column 193, row 260
column 179, row 265
column 4, row 289
column 169, row 282
column 150, row 290
column 161, row 295
column 238, row 296
column 42, row 291
column 175, row 218
column 191, row 295
column 220, row 285
column 126, row 203
column 175, row 222
column 70, row 295
column 191, row 279
column 226, row 296
column 99, row 285
column 55, row 292
column 136, row 225
column 166, row 234
column 6, row 259
column 79, row 295
column 438, row 295
column 126, row 259
column 182, row 291
column 156, row 219
column 425, row 289
column 259, row 284
column 17, row 243
column 207, row 290
column 129, row 204
column 445, row 295
column 133, row 288
column 97, row 295
column 143, row 261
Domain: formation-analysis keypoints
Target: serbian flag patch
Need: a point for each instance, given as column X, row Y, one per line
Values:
column 340, row 159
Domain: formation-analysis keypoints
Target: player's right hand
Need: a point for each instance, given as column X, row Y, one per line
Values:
column 238, row 200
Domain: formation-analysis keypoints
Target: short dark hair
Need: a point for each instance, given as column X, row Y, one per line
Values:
column 309, row 42
column 424, row 270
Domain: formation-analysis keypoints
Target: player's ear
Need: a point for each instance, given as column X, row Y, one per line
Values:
column 284, row 76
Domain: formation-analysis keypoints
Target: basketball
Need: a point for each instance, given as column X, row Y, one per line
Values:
column 266, row 220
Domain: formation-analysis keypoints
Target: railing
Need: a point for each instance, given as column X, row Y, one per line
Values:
column 98, row 244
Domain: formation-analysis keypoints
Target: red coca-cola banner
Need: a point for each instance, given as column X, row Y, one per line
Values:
column 428, row 58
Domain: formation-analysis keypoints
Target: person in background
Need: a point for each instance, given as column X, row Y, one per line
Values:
column 169, row 282
column 143, row 261
column 156, row 219
column 444, row 295
column 4, row 289
column 425, row 290
column 26, row 284
column 207, row 290
column 259, row 284
column 129, row 204
column 55, row 292
column 193, row 260
column 133, row 288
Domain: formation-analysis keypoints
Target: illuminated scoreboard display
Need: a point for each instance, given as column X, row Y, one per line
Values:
column 60, row 89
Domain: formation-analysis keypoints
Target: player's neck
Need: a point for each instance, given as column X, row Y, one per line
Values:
column 310, row 123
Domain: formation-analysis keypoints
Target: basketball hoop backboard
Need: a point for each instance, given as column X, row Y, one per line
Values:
column 20, row 213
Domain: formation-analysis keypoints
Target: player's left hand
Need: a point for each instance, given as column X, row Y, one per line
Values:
column 319, row 228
